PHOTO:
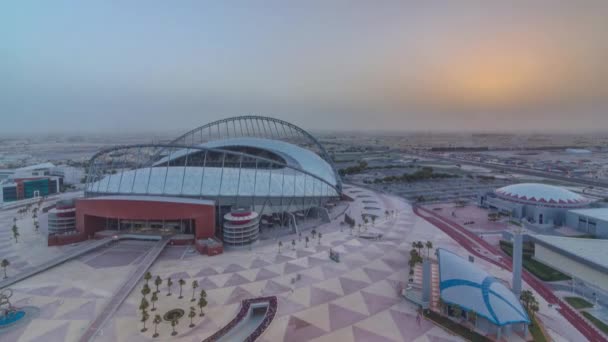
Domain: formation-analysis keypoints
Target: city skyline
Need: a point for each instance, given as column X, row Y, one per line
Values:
column 341, row 66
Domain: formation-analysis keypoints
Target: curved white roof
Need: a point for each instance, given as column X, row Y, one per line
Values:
column 541, row 194
column 294, row 155
column 464, row 284
column 211, row 182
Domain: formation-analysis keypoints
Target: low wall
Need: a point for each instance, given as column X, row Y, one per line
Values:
column 60, row 240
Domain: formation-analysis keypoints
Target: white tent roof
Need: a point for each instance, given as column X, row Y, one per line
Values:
column 536, row 193
column 464, row 284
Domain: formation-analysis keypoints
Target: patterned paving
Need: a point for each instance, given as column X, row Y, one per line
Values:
column 318, row 299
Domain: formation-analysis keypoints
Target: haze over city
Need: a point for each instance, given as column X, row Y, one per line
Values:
column 100, row 66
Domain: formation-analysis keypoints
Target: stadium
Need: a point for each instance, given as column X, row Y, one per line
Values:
column 263, row 168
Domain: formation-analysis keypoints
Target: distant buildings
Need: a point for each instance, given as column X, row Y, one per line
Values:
column 29, row 182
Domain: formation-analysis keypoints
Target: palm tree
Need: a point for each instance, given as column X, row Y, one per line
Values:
column 529, row 301
column 157, row 320
column 313, row 232
column 16, row 232
column 373, row 220
column 300, row 236
column 191, row 315
column 158, row 281
column 147, row 277
column 154, row 299
column 280, row 245
column 194, row 287
column 36, row 226
column 429, row 246
column 202, row 302
column 306, row 239
column 457, row 311
column 174, row 322
column 420, row 246
column 319, row 236
column 4, row 264
column 144, row 317
column 472, row 317
column 293, row 244
column 145, row 290
column 169, row 283
column 181, row 283
column 143, row 305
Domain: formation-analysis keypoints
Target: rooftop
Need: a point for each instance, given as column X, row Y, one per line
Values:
column 591, row 250
column 463, row 283
column 543, row 194
column 596, row 213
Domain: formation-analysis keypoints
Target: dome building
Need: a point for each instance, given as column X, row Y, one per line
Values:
column 195, row 183
column 539, row 204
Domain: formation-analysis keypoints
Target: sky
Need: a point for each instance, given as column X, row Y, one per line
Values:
column 118, row 66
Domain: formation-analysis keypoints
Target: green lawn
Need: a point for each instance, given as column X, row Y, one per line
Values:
column 536, row 331
column 578, row 303
column 599, row 324
column 456, row 328
column 537, row 268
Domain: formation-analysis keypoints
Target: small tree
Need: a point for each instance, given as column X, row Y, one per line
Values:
column 154, row 299
column 280, row 245
column 306, row 240
column 181, row 283
column 194, row 287
column 174, row 323
column 319, row 237
column 300, row 236
column 202, row 302
column 143, row 305
column 158, row 281
column 457, row 311
column 169, row 283
column 529, row 301
column 16, row 232
column 313, row 232
column 145, row 290
column 429, row 246
column 373, row 220
column 157, row 320
column 5, row 263
column 147, row 277
column 144, row 318
column 293, row 244
column 191, row 315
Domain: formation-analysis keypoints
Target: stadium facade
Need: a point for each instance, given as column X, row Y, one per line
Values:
column 188, row 186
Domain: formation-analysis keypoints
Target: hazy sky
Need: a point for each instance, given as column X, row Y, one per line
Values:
column 391, row 65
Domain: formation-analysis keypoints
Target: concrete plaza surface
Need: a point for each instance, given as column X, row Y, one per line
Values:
column 318, row 299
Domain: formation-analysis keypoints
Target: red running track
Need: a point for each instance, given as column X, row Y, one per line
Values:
column 470, row 240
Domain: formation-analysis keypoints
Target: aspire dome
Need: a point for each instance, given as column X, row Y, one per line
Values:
column 541, row 194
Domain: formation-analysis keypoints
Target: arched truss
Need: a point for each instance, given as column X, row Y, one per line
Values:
column 250, row 179
column 256, row 126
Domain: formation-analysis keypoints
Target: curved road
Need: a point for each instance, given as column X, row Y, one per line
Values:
column 482, row 249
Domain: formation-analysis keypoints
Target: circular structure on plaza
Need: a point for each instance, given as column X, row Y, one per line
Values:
column 541, row 195
column 189, row 184
column 241, row 227
column 173, row 314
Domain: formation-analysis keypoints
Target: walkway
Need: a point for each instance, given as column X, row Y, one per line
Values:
column 482, row 249
column 74, row 253
column 124, row 291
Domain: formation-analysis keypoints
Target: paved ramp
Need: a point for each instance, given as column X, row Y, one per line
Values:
column 74, row 253
column 124, row 291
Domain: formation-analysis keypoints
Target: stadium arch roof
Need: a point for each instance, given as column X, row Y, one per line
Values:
column 464, row 284
column 541, row 194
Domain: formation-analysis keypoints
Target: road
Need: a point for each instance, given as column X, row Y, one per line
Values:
column 124, row 291
column 515, row 169
column 482, row 249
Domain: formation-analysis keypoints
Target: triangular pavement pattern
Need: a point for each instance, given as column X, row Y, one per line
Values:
column 274, row 288
column 350, row 285
column 376, row 303
column 206, row 272
column 235, row 279
column 233, row 268
column 299, row 330
column 317, row 316
column 354, row 302
column 264, row 274
column 332, row 285
column 375, row 274
column 206, row 284
column 257, row 263
column 340, row 317
column 314, row 261
column 286, row 306
column 362, row 335
column 407, row 325
column 237, row 295
column 72, row 292
column 282, row 258
column 319, row 296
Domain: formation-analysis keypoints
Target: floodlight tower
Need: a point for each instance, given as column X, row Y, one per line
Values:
column 517, row 259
